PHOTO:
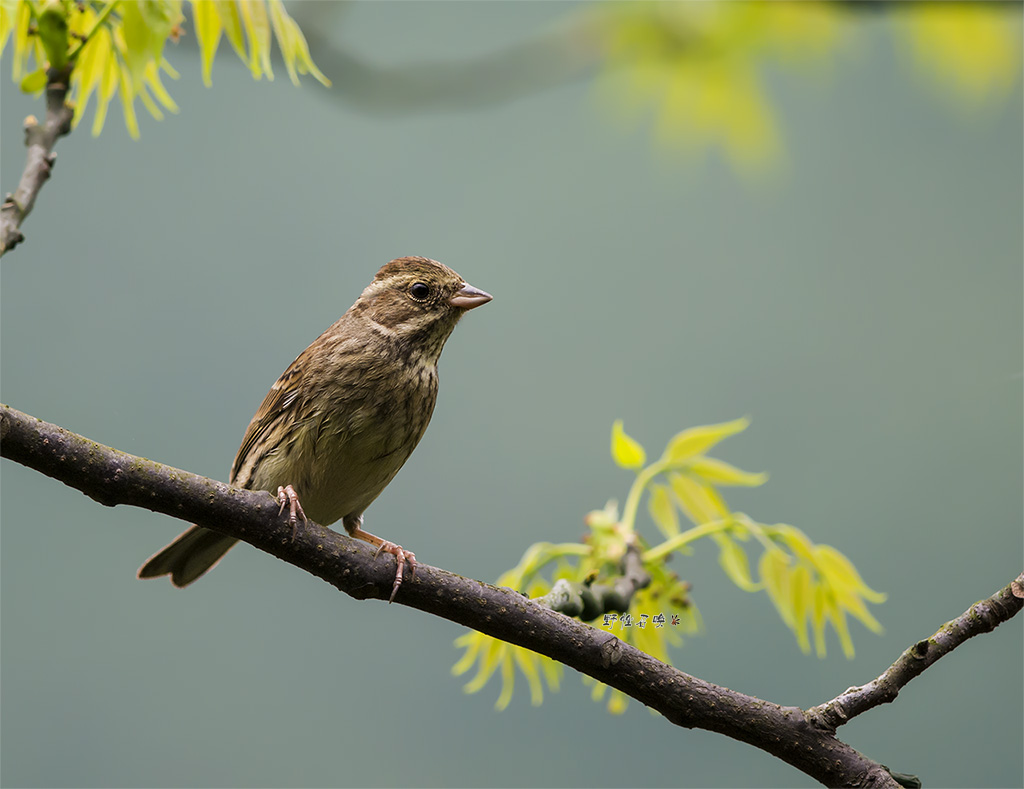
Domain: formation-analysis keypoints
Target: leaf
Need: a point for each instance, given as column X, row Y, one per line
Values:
column 303, row 62
column 775, row 574
column 699, row 501
column 725, row 473
column 208, row 29
column 626, row 452
column 733, row 560
column 818, row 606
column 8, row 11
column 697, row 440
column 843, row 574
column 284, row 38
column 663, row 510
column 136, row 40
column 128, row 106
column 34, row 82
column 527, row 662
column 802, row 592
column 227, row 10
column 618, row 702
column 508, row 678
column 257, row 28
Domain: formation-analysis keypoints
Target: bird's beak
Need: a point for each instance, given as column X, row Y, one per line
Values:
column 467, row 297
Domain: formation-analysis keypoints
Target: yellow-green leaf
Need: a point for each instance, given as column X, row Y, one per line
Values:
column 843, row 575
column 725, row 473
column 257, row 28
column 227, row 10
column 208, row 29
column 303, row 62
column 626, row 452
column 136, row 40
column 527, row 662
column 618, row 702
column 733, row 560
column 773, row 568
column 508, row 678
column 697, row 440
column 284, row 38
column 8, row 12
column 663, row 510
column 128, row 106
column 802, row 591
column 34, row 82
column 699, row 501
column 818, row 605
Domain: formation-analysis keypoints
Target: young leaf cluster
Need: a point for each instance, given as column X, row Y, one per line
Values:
column 702, row 66
column 812, row 586
column 116, row 47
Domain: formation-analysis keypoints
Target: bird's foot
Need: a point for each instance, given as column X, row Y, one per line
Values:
column 402, row 556
column 286, row 495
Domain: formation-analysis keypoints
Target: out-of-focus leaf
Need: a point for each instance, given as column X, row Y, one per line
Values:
column 128, row 106
column 733, row 560
column 208, row 29
column 843, row 574
column 230, row 20
column 8, row 13
column 699, row 501
column 284, row 38
column 776, row 576
column 626, row 452
column 257, row 28
column 802, row 592
column 303, row 62
column 508, row 677
column 527, row 663
column 819, row 603
column 34, row 82
column 663, row 510
column 697, row 440
column 136, row 50
column 725, row 473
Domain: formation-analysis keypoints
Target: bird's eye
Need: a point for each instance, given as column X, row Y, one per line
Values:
column 419, row 291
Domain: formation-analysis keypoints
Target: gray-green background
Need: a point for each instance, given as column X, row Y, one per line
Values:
column 864, row 308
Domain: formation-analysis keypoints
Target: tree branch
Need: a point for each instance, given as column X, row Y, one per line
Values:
column 563, row 54
column 112, row 477
column 40, row 140
column 982, row 617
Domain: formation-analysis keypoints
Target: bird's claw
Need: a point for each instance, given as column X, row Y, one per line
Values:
column 402, row 556
column 286, row 495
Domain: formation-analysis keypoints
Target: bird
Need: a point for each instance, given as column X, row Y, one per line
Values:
column 344, row 417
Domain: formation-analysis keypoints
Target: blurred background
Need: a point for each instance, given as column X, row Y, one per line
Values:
column 686, row 213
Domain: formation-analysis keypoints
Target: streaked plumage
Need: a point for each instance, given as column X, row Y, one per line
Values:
column 345, row 416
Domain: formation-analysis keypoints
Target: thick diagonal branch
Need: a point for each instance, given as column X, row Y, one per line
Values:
column 39, row 139
column 112, row 477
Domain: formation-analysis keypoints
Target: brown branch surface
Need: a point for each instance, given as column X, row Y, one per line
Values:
column 40, row 140
column 982, row 617
column 112, row 477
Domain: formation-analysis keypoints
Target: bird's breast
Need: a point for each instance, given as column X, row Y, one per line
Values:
column 351, row 449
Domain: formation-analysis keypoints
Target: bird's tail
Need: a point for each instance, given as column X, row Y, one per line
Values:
column 188, row 557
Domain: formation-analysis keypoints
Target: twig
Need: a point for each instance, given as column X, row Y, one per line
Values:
column 590, row 600
column 982, row 617
column 40, row 140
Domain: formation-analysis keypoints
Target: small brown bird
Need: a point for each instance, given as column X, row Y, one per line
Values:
column 344, row 417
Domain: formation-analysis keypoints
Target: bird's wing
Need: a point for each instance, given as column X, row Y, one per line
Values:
column 281, row 400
